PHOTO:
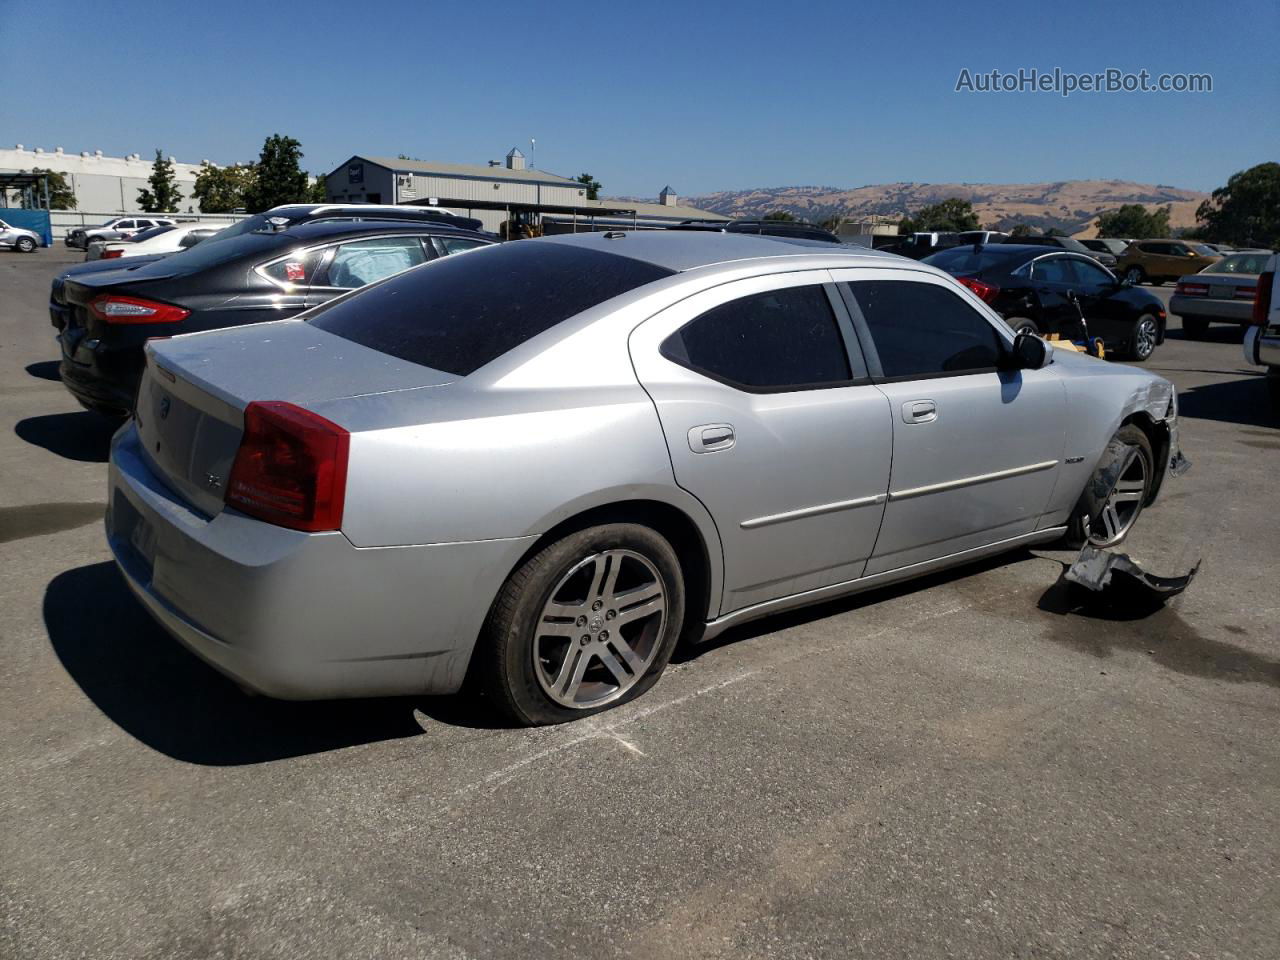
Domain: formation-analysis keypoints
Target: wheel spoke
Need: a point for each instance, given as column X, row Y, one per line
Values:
column 597, row 576
column 611, row 579
column 632, row 659
column 569, row 679
column 638, row 604
column 613, row 666
column 1127, row 496
column 1111, row 520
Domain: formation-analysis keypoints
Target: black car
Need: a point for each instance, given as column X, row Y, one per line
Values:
column 105, row 316
column 1105, row 258
column 1048, row 291
column 769, row 228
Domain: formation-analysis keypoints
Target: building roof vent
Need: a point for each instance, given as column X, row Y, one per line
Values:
column 515, row 159
column 668, row 197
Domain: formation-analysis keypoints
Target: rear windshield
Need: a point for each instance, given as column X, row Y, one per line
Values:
column 964, row 261
column 458, row 313
column 151, row 232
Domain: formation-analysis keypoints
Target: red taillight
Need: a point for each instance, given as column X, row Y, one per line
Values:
column 1246, row 293
column 115, row 308
column 1262, row 302
column 291, row 468
column 1192, row 289
column 986, row 291
column 111, row 254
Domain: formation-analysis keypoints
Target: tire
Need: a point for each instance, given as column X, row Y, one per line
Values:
column 1126, row 508
column 1135, row 275
column 25, row 245
column 553, row 648
column 1195, row 328
column 1023, row 325
column 1143, row 339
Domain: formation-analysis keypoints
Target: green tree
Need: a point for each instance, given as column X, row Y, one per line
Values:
column 591, row 183
column 61, row 196
column 319, row 189
column 1134, row 221
column 279, row 177
column 1020, row 230
column 1245, row 212
column 164, row 196
column 781, row 215
column 223, row 189
column 952, row 214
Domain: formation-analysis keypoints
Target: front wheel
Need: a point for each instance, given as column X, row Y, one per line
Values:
column 1024, row 325
column 586, row 624
column 26, row 245
column 1123, row 505
column 1142, row 342
column 1135, row 275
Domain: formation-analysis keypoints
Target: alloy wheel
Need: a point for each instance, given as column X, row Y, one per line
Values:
column 1133, row 275
column 1144, row 338
column 600, row 629
column 1124, row 503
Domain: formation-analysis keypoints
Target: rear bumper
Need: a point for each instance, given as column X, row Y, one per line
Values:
column 294, row 615
column 114, row 395
column 1225, row 311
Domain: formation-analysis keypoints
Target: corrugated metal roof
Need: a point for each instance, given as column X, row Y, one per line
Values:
column 468, row 170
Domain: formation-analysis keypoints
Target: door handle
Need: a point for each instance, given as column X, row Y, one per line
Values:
column 919, row 411
column 711, row 437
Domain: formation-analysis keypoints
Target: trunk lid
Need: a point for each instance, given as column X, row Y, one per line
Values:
column 190, row 412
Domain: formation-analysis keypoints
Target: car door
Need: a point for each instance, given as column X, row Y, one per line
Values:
column 976, row 448
column 355, row 263
column 1054, row 286
column 1107, row 315
column 771, row 422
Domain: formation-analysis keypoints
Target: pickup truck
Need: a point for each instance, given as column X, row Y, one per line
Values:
column 114, row 229
column 1262, row 339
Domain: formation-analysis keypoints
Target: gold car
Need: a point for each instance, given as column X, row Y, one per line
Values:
column 1155, row 261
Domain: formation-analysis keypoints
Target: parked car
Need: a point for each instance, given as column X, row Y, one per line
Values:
column 114, row 229
column 1155, row 261
column 1104, row 257
column 544, row 462
column 163, row 240
column 768, row 228
column 105, row 317
column 1222, row 292
column 18, row 238
column 1262, row 338
column 1046, row 291
column 982, row 236
column 1109, row 245
column 923, row 244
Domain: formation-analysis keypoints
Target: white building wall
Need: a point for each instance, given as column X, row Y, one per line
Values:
column 103, row 183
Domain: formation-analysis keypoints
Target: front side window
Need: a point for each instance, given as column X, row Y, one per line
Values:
column 360, row 262
column 780, row 340
column 1091, row 277
column 925, row 330
column 1053, row 270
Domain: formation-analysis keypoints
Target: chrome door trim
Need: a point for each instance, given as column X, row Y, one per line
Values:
column 820, row 509
column 716, row 627
column 970, row 481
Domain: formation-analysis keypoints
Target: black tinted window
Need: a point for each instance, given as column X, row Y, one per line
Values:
column 458, row 313
column 1090, row 276
column 967, row 260
column 776, row 340
column 923, row 330
column 1054, row 270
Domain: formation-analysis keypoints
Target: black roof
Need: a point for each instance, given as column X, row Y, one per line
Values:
column 313, row 230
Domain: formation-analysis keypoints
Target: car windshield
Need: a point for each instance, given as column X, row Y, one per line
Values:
column 967, row 260
column 1239, row 263
column 1204, row 251
column 458, row 313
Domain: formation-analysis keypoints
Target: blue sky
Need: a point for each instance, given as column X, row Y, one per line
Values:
column 704, row 96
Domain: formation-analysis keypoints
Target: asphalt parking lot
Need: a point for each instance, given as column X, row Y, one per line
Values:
column 962, row 767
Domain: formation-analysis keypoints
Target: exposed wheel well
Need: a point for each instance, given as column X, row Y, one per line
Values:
column 1158, row 434
column 672, row 523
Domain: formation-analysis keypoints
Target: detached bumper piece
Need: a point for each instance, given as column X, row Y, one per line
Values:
column 1117, row 579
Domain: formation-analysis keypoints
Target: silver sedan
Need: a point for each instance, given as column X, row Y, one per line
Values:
column 541, row 464
column 18, row 238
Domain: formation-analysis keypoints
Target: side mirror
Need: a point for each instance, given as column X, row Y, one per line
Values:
column 1029, row 352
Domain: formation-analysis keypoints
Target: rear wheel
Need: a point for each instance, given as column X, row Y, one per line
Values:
column 586, row 624
column 1142, row 341
column 1024, row 325
column 1135, row 275
column 1194, row 327
column 1121, row 510
column 25, row 245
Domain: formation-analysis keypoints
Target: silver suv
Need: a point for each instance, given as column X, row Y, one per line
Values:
column 115, row 229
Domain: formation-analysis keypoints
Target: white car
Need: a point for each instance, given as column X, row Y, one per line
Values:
column 1262, row 338
column 158, row 240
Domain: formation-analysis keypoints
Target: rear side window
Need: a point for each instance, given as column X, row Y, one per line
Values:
column 458, row 313
column 781, row 340
column 924, row 330
column 1053, row 270
column 363, row 261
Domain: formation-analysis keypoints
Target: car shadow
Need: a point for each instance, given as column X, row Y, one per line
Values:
column 802, row 615
column 154, row 689
column 1217, row 333
column 1245, row 401
column 45, row 370
column 83, row 436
